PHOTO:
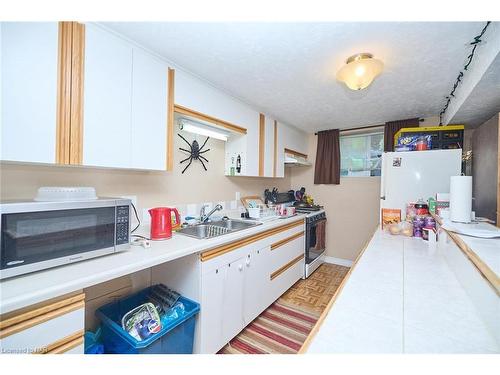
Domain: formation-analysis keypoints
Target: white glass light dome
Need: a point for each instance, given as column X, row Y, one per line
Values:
column 360, row 71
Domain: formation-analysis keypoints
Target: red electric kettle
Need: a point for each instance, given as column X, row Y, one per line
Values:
column 161, row 222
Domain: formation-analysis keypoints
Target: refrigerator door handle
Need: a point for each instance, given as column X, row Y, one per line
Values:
column 383, row 176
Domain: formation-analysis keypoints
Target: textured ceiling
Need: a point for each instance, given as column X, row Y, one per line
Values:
column 484, row 100
column 288, row 69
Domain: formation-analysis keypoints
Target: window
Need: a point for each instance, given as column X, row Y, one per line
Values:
column 361, row 154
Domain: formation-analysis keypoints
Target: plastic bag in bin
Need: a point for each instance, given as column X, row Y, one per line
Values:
column 142, row 322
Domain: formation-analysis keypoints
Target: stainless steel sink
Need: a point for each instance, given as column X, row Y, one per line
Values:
column 216, row 228
column 234, row 225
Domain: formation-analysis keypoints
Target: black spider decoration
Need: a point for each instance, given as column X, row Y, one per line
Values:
column 195, row 153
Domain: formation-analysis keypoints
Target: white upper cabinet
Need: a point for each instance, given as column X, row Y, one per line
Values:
column 125, row 104
column 149, row 111
column 107, row 99
column 28, row 79
column 295, row 139
column 200, row 96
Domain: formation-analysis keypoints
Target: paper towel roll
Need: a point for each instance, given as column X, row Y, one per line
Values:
column 461, row 199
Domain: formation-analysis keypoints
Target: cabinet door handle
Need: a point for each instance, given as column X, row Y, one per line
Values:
column 240, row 267
column 247, row 262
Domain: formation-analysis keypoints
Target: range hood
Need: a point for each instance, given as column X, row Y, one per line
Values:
column 296, row 161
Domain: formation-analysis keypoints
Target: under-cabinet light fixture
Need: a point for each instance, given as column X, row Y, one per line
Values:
column 202, row 129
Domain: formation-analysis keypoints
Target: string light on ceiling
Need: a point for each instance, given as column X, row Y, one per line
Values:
column 474, row 43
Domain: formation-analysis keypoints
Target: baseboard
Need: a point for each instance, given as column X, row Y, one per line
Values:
column 338, row 261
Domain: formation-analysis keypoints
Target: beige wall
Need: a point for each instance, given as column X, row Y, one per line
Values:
column 352, row 208
column 151, row 188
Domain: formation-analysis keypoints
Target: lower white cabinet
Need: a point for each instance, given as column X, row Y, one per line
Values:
column 233, row 299
column 236, row 286
column 256, row 287
column 53, row 328
column 223, row 301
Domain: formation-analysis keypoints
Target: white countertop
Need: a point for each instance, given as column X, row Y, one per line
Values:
column 487, row 249
column 22, row 291
column 402, row 297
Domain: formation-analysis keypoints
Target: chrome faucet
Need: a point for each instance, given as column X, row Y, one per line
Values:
column 205, row 217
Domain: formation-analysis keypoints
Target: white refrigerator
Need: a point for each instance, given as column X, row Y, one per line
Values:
column 408, row 176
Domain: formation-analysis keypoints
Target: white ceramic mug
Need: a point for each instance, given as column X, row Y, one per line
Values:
column 290, row 211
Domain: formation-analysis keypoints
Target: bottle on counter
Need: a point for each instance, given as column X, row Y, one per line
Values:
column 418, row 225
column 432, row 205
column 421, row 208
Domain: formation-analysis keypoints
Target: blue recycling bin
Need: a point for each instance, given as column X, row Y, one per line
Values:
column 176, row 336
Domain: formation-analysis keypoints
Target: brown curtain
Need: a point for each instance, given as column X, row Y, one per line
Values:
column 327, row 168
column 392, row 127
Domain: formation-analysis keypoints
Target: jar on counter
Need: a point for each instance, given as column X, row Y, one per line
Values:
column 421, row 207
column 429, row 222
column 418, row 225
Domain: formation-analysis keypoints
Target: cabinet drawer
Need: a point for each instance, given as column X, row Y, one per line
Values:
column 286, row 250
column 229, row 252
column 78, row 349
column 73, row 344
column 42, row 331
column 284, row 277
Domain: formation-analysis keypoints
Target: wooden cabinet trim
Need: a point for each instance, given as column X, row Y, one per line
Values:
column 170, row 119
column 201, row 116
column 485, row 271
column 39, row 315
column 275, row 159
column 278, row 244
column 70, row 71
column 295, row 153
column 77, row 83
column 262, row 142
column 63, row 345
column 63, row 115
column 68, row 346
column 220, row 250
column 282, row 269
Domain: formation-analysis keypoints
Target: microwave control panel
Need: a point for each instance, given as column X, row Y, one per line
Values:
column 122, row 224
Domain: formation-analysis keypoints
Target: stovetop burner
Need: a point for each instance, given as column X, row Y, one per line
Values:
column 303, row 207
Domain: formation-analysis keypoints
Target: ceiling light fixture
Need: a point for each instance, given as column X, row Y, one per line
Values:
column 360, row 70
column 203, row 129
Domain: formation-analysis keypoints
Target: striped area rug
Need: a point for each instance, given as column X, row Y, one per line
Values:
column 281, row 329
